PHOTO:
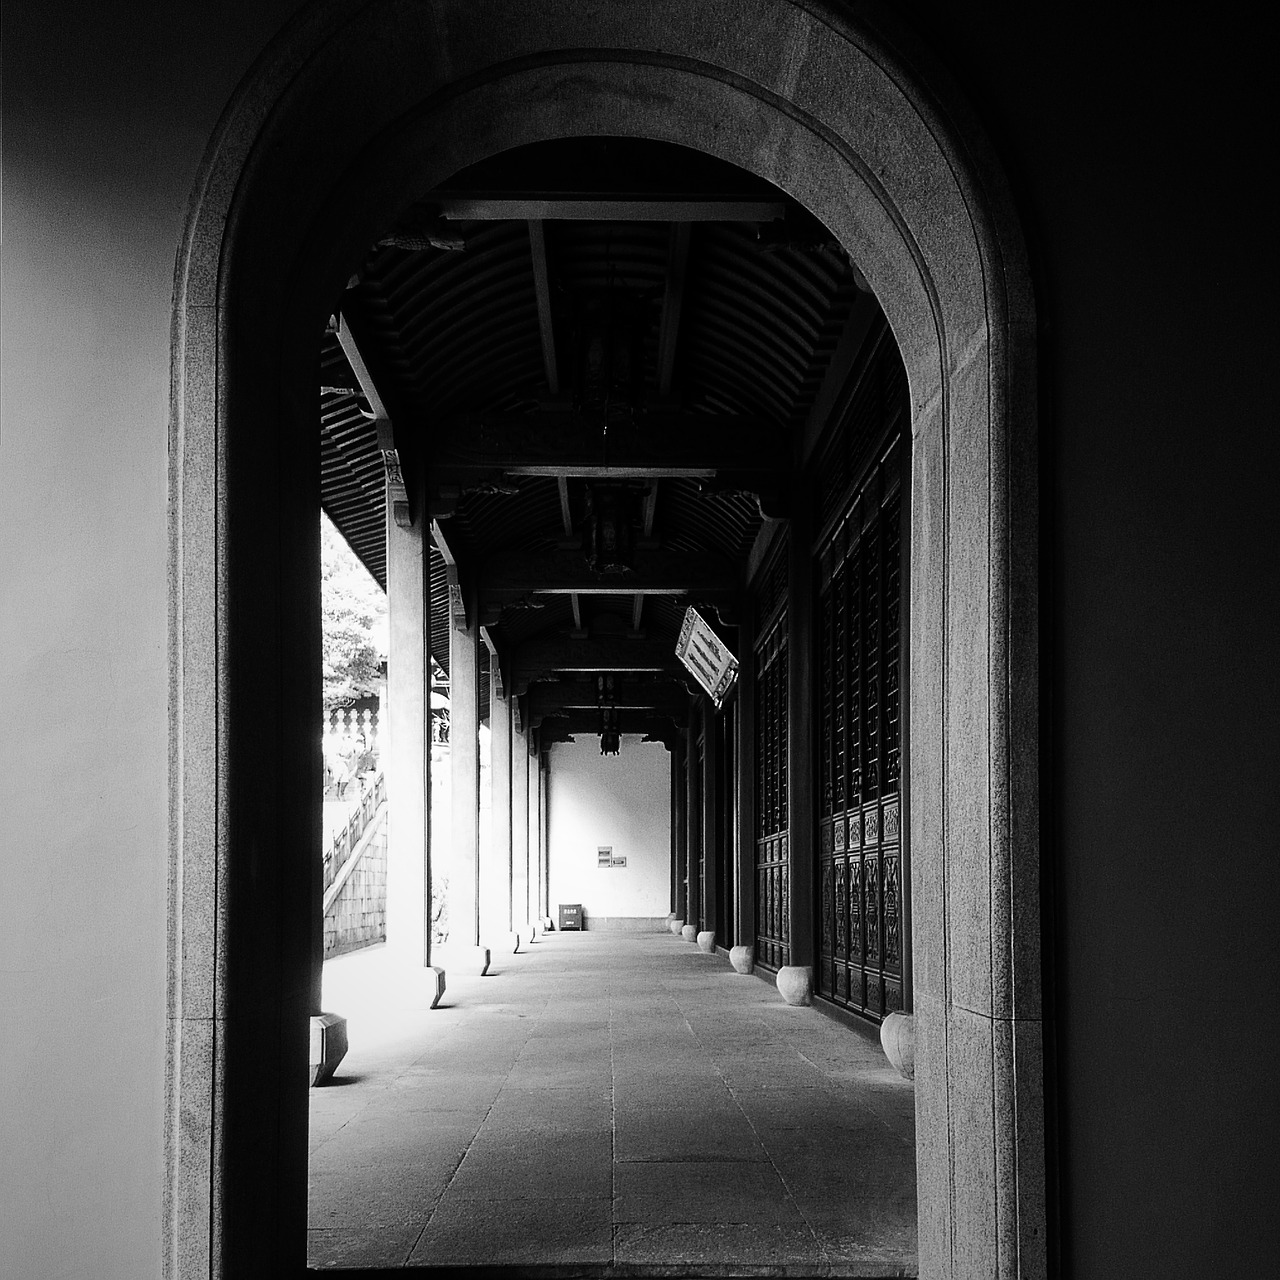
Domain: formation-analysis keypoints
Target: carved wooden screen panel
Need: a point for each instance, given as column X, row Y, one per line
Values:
column 771, row 684
column 861, row 933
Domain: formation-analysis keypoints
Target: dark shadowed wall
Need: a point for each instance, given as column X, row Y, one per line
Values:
column 1138, row 155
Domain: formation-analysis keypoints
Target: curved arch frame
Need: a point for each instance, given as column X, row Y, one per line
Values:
column 306, row 166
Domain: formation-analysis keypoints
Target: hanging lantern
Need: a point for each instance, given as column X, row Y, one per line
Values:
column 606, row 696
column 609, row 531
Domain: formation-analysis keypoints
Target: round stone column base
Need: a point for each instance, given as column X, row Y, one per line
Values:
column 689, row 933
column 328, row 1045
column 898, row 1040
column 795, row 984
column 743, row 959
column 707, row 941
column 676, row 926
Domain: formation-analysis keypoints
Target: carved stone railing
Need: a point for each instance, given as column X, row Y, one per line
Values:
column 345, row 842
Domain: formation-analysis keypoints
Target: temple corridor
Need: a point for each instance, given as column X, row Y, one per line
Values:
column 607, row 1103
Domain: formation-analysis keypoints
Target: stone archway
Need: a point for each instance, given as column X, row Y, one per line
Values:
column 309, row 162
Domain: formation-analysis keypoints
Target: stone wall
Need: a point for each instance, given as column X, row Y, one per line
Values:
column 358, row 917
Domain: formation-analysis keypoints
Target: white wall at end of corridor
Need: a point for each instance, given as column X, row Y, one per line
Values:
column 620, row 801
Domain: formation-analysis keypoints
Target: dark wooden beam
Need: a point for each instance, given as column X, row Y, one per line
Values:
column 513, row 575
column 662, row 697
column 588, row 721
column 543, row 656
column 580, row 207
column 542, row 291
column 562, row 443
column 853, row 337
column 672, row 302
column 397, row 492
column 566, row 513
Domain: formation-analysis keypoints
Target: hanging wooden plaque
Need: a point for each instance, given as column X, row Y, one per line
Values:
column 706, row 656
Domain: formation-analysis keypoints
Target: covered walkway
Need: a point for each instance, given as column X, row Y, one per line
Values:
column 607, row 1103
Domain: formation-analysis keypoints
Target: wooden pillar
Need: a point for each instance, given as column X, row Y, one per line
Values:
column 693, row 820
column 677, row 907
column 464, row 754
column 495, row 913
column 795, row 980
column 679, row 798
column 408, row 745
column 710, row 817
column 744, row 898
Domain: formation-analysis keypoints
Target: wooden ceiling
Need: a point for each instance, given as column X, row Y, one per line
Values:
column 578, row 314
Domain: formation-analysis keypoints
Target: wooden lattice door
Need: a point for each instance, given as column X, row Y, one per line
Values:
column 861, row 902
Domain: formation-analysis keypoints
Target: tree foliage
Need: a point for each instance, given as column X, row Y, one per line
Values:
column 353, row 612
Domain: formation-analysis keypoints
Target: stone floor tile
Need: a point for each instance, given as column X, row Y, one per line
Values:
column 516, row 1232
column 387, row 1196
column 720, row 1243
column 598, row 1081
column 656, row 1192
column 344, row 1247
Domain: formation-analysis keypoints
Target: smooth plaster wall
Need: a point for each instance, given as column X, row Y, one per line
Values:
column 623, row 801
column 1136, row 151
column 107, row 110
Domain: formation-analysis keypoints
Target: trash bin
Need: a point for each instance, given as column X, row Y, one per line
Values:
column 571, row 915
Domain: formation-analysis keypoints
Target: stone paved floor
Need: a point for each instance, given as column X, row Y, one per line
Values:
column 607, row 1103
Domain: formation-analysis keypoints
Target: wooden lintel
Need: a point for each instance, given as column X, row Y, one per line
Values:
column 660, row 697
column 853, row 337
column 605, row 208
column 629, row 722
column 672, row 301
column 566, row 513
column 542, row 292
column 496, row 680
column 545, row 655
column 564, row 571
column 653, row 442
column 350, row 349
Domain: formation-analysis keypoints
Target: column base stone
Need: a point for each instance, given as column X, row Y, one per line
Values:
column 795, row 984
column 743, row 959
column 707, row 941
column 433, row 976
column 328, row 1045
column 689, row 933
column 898, row 1040
column 676, row 926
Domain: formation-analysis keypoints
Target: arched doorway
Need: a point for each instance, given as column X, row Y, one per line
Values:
column 307, row 165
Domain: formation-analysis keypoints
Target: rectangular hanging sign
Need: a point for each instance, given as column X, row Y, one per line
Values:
column 706, row 656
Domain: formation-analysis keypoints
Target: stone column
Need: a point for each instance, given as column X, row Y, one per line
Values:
column 533, row 816
column 495, row 914
column 407, row 750
column 520, row 827
column 464, row 752
column 743, row 953
column 795, row 980
column 710, row 820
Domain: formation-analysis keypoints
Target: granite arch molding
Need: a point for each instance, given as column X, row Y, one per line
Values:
column 349, row 115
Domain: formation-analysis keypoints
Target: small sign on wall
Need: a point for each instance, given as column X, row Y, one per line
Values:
column 605, row 858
